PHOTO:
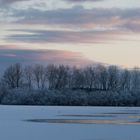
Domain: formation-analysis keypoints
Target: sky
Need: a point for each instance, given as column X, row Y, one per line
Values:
column 72, row 32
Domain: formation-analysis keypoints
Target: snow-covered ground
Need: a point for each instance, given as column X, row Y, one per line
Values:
column 69, row 123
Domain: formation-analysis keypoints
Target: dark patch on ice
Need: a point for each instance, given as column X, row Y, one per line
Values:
column 83, row 121
column 138, row 121
column 122, row 113
column 96, row 115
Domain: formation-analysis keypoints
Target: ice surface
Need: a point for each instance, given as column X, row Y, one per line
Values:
column 16, row 124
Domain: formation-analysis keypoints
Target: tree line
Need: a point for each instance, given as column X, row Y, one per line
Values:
column 52, row 78
column 97, row 77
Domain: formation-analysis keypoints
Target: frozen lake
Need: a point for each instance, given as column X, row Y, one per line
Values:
column 69, row 123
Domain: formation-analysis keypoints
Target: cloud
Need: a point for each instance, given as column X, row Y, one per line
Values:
column 84, row 0
column 80, row 18
column 55, row 36
column 8, row 56
column 7, row 2
column 76, row 25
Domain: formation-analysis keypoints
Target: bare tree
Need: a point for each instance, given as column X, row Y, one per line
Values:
column 125, row 80
column 90, row 77
column 57, row 76
column 62, row 77
column 78, row 79
column 102, row 77
column 13, row 76
column 28, row 76
column 51, row 76
column 136, row 78
column 113, row 78
column 40, row 76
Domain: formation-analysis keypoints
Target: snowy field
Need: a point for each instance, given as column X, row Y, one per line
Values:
column 69, row 123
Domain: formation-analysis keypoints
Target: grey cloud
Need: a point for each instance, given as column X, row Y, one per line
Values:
column 133, row 27
column 96, row 25
column 84, row 0
column 8, row 56
column 51, row 36
column 80, row 17
column 6, row 2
